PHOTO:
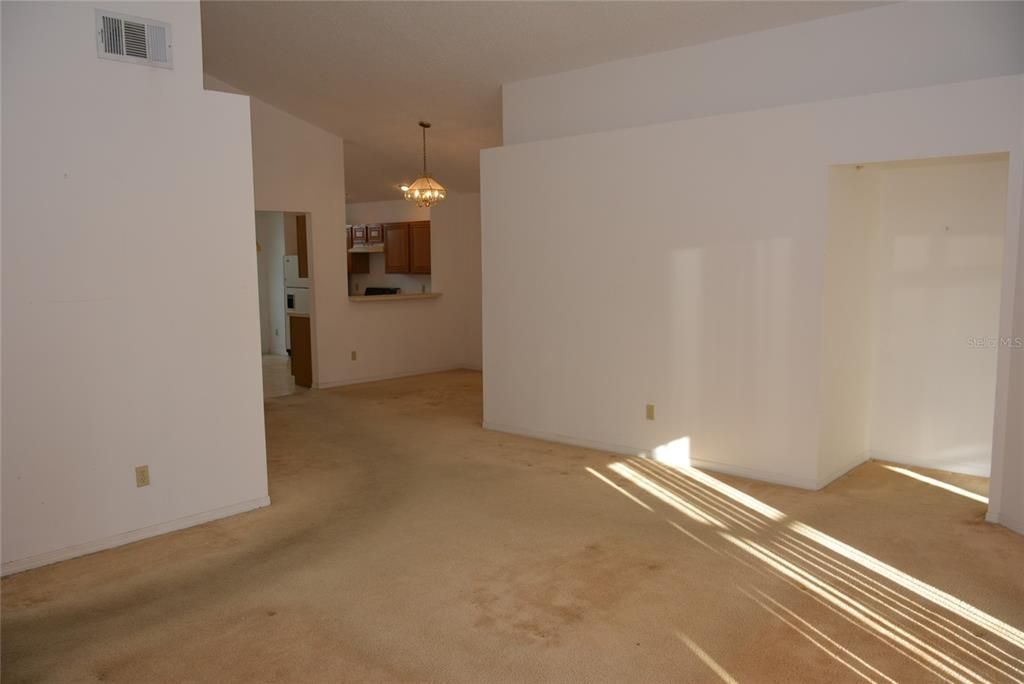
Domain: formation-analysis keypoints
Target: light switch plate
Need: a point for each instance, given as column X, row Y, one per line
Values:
column 142, row 476
column 650, row 412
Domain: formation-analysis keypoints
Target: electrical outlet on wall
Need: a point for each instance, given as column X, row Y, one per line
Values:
column 650, row 412
column 142, row 476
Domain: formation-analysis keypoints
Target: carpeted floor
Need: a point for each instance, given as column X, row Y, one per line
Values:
column 406, row 543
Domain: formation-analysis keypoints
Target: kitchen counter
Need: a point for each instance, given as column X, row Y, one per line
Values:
column 395, row 297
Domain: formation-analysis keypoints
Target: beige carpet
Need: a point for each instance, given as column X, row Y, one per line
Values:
column 406, row 543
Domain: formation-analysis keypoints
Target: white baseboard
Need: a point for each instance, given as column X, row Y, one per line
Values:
column 700, row 463
column 563, row 439
column 39, row 560
column 808, row 483
column 388, row 376
column 978, row 471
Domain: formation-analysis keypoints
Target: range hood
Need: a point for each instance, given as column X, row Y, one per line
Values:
column 366, row 249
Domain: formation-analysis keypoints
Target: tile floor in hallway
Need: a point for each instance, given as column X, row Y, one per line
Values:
column 277, row 376
column 405, row 543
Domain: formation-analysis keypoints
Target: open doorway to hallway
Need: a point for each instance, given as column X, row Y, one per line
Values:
column 914, row 265
column 285, row 290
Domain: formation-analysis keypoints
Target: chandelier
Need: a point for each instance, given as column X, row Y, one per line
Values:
column 424, row 191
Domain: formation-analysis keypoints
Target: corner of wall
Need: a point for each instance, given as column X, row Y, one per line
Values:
column 824, row 480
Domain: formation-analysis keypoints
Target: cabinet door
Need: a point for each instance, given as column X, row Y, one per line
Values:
column 300, row 241
column 301, row 350
column 419, row 247
column 396, row 248
column 375, row 233
column 359, row 234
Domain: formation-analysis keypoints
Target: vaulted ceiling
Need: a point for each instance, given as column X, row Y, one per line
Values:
column 368, row 71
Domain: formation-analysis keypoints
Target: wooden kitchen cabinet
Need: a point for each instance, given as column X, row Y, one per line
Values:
column 301, row 350
column 302, row 245
column 407, row 247
column 357, row 263
column 396, row 247
column 375, row 233
column 419, row 247
column 359, row 234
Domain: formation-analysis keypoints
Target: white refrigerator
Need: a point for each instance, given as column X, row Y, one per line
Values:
column 296, row 293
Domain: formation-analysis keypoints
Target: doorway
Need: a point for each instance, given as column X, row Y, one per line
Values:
column 913, row 277
column 285, row 289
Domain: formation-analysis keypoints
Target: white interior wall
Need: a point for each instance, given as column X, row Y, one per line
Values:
column 387, row 211
column 848, row 335
column 1006, row 495
column 455, row 255
column 1, row 303
column 900, row 46
column 713, row 246
column 894, row 47
column 270, row 268
column 300, row 168
column 937, row 276
column 98, row 314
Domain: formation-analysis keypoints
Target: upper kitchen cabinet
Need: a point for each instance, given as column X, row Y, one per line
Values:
column 302, row 245
column 419, row 247
column 396, row 247
column 367, row 234
column 407, row 247
column 359, row 234
column 357, row 263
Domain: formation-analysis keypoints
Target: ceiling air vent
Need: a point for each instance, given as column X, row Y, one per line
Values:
column 131, row 39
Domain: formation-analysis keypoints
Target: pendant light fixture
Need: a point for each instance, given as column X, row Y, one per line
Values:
column 424, row 191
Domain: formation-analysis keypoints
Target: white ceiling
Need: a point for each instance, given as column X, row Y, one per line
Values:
column 368, row 71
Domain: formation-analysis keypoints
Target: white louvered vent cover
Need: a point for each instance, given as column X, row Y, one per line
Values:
column 131, row 39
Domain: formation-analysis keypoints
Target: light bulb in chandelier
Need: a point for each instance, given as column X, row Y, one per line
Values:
column 424, row 191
